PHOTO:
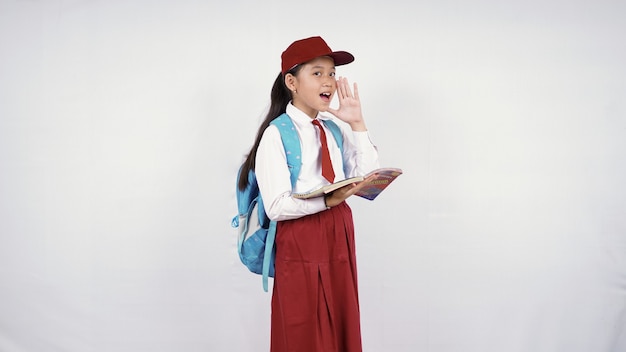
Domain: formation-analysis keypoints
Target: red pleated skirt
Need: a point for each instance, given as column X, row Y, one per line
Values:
column 315, row 302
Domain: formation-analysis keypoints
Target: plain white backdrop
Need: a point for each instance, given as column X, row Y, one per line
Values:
column 123, row 123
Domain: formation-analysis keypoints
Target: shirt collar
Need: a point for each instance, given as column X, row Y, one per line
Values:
column 299, row 117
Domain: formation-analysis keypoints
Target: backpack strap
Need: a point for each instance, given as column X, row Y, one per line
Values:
column 291, row 143
column 336, row 131
column 293, row 151
column 269, row 253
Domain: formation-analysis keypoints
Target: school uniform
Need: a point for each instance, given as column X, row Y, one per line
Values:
column 315, row 305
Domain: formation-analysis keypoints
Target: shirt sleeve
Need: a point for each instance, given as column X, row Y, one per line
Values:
column 360, row 155
column 274, row 181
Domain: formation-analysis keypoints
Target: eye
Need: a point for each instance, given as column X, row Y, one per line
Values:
column 332, row 74
column 317, row 73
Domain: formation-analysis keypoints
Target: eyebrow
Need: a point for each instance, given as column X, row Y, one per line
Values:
column 320, row 66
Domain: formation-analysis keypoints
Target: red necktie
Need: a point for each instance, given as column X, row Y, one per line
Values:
column 327, row 165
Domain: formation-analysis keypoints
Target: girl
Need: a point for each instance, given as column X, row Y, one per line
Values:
column 315, row 305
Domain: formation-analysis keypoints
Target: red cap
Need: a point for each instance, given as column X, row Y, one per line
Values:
column 308, row 49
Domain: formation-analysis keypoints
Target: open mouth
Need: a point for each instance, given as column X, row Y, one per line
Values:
column 325, row 97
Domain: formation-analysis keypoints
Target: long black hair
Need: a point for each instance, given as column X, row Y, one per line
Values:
column 280, row 97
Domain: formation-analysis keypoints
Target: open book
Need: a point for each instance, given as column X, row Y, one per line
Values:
column 384, row 176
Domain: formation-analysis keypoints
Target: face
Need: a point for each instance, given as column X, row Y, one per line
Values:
column 313, row 86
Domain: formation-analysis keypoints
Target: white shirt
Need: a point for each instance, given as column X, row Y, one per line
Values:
column 360, row 156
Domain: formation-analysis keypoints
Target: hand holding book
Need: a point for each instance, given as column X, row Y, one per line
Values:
column 339, row 195
column 368, row 186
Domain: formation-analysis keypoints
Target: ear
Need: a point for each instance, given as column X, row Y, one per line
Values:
column 290, row 81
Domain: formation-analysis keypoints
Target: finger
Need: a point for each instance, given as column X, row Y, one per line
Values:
column 361, row 185
column 364, row 183
column 338, row 85
column 341, row 87
column 342, row 193
column 356, row 92
column 347, row 87
column 371, row 178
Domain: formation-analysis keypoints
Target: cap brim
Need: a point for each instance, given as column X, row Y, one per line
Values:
column 341, row 57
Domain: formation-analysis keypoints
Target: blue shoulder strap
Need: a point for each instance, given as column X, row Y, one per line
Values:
column 293, row 151
column 291, row 143
column 336, row 131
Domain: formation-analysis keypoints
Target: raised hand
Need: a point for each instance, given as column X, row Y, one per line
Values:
column 349, row 109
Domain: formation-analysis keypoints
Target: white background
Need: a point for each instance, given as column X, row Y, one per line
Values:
column 122, row 125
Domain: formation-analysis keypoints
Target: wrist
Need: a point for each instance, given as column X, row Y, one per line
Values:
column 358, row 126
column 326, row 196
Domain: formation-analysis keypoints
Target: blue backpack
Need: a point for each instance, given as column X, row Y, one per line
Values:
column 256, row 231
